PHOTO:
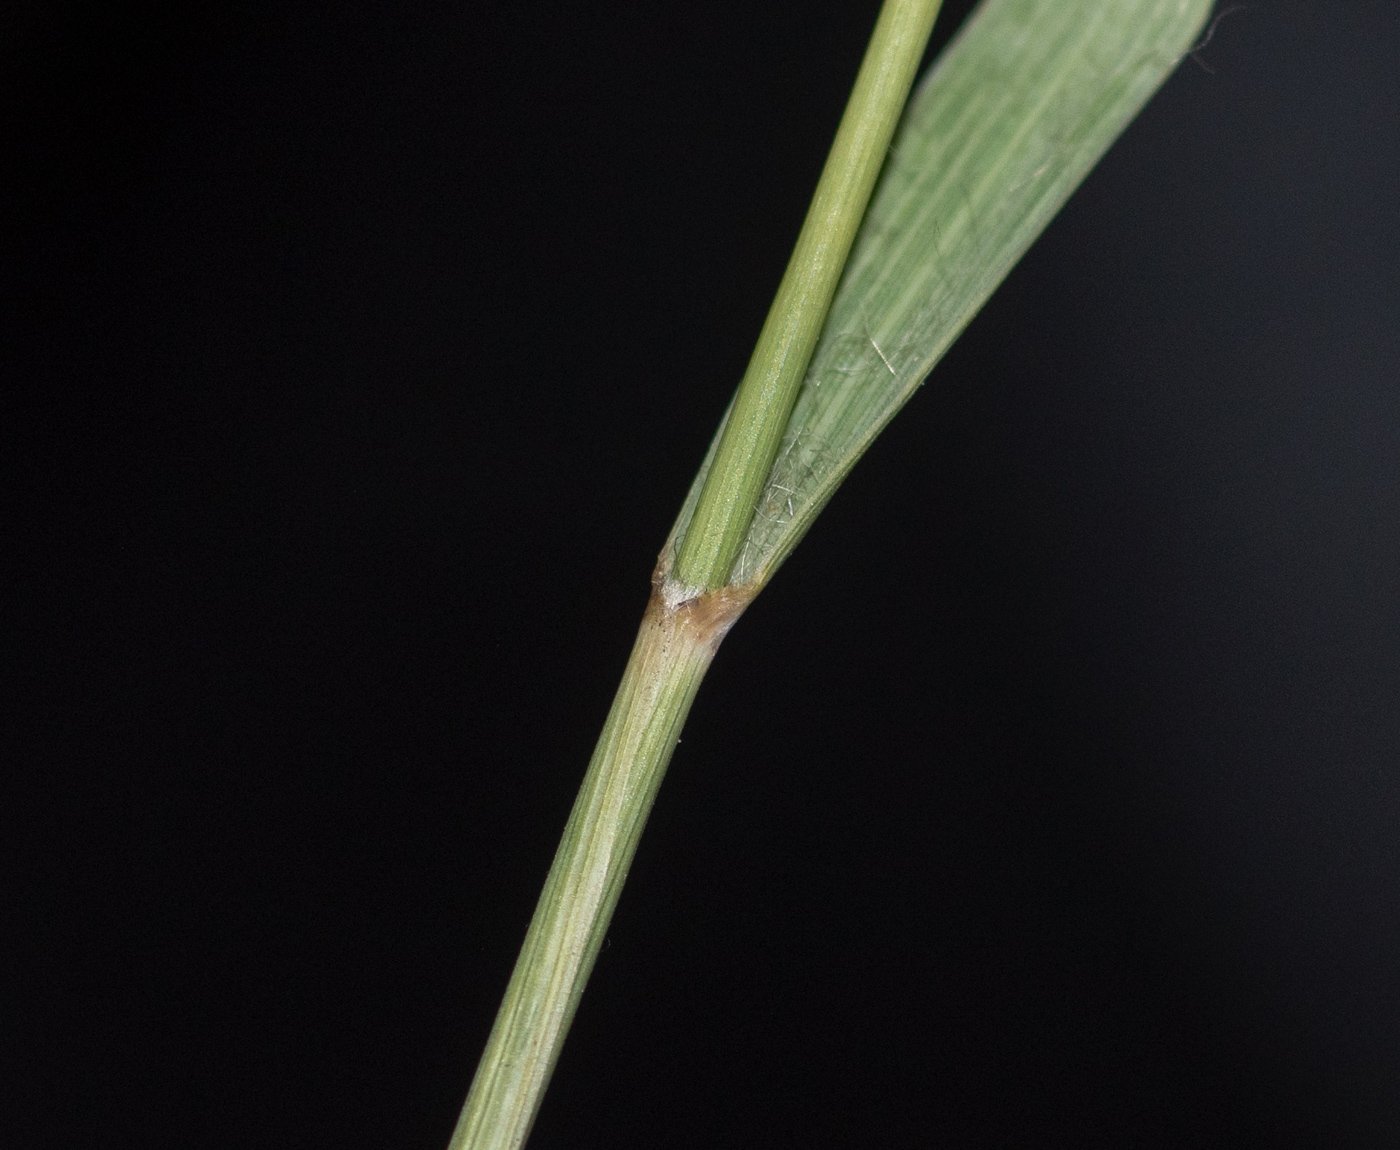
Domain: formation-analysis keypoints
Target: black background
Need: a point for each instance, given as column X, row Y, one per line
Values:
column 356, row 358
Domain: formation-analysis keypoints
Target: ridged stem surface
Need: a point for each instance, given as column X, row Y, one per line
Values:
column 674, row 648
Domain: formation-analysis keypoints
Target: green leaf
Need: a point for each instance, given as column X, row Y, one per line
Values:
column 1016, row 112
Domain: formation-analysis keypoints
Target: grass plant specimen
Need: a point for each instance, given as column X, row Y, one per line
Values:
column 1017, row 110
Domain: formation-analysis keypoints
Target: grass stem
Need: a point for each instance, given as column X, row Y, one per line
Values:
column 687, row 617
column 770, row 385
column 674, row 648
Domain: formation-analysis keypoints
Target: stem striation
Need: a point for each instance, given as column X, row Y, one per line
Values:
column 674, row 649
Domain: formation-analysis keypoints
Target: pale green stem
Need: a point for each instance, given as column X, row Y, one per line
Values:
column 760, row 414
column 687, row 618
column 674, row 648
